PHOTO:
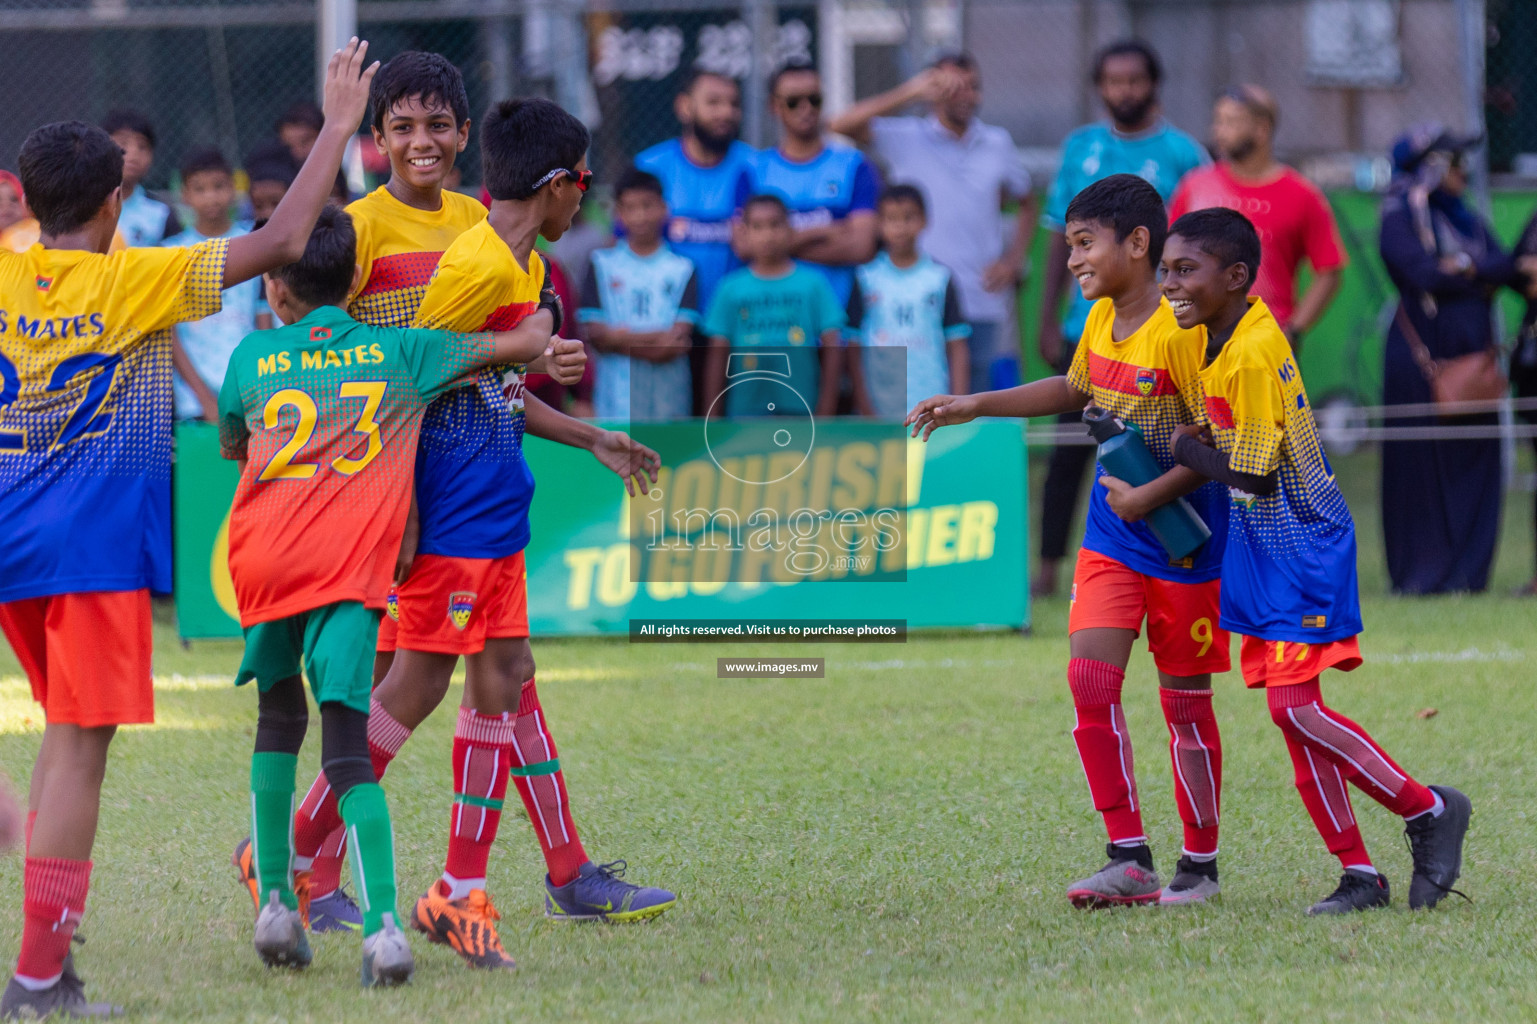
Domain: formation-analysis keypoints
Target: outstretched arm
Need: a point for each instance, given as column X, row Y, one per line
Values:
column 1045, row 397
column 282, row 239
column 632, row 461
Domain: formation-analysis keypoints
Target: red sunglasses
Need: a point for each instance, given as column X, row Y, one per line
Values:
column 581, row 179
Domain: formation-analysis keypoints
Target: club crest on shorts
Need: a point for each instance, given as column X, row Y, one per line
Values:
column 460, row 604
column 392, row 605
column 1145, row 381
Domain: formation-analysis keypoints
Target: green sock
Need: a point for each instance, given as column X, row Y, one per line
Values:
column 367, row 816
column 272, row 824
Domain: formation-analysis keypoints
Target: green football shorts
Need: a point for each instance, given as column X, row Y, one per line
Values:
column 335, row 643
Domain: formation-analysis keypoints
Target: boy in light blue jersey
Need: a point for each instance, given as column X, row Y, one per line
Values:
column 200, row 350
column 777, row 304
column 639, row 306
column 906, row 306
column 705, row 175
column 144, row 221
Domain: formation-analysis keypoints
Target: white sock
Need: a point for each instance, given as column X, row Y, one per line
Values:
column 1200, row 858
column 37, row 984
column 1365, row 869
column 1435, row 811
column 459, row 888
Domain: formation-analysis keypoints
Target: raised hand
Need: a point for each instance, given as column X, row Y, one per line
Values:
column 345, row 96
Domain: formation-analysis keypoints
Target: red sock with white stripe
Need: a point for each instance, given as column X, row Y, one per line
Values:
column 536, row 769
column 320, row 840
column 482, row 757
column 1104, row 747
column 1323, row 793
column 1300, row 712
column 1195, row 747
column 53, row 901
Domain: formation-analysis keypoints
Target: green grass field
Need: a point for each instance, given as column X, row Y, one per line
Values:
column 889, row 843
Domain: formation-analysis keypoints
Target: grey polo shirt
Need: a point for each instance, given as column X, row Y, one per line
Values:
column 964, row 181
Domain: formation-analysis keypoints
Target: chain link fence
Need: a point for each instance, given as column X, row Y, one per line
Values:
column 221, row 72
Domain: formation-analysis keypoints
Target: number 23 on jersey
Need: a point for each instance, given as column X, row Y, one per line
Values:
column 286, row 463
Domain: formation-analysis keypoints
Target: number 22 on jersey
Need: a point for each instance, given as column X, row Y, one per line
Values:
column 283, row 465
column 86, row 419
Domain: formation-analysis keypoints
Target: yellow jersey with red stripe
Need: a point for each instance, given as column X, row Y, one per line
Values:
column 1290, row 569
column 1149, row 379
column 473, row 486
column 398, row 249
column 85, row 412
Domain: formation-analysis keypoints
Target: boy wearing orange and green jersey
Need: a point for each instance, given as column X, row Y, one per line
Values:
column 421, row 121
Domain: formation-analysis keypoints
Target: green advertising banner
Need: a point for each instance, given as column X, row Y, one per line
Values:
column 862, row 524
column 202, row 487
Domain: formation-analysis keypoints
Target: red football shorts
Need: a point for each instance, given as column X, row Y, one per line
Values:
column 87, row 656
column 1283, row 663
column 1182, row 630
column 454, row 605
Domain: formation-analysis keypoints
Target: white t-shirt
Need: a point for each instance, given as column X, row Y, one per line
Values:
column 964, row 181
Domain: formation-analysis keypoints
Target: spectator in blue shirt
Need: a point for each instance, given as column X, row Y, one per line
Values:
column 830, row 189
column 639, row 307
column 1135, row 140
column 774, row 327
column 704, row 175
column 200, row 350
column 144, row 221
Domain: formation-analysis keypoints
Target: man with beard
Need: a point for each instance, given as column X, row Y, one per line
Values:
column 968, row 172
column 704, row 173
column 1289, row 212
column 1136, row 140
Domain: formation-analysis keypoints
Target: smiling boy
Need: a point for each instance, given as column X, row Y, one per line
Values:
column 1289, row 575
column 1136, row 362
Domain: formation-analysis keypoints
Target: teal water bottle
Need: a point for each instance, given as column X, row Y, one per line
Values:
column 1124, row 454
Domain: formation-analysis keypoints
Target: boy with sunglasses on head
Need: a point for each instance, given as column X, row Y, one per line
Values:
column 1289, row 570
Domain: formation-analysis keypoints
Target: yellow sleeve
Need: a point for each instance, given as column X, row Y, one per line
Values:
column 1078, row 370
column 161, row 287
column 1185, row 367
column 459, row 298
column 1259, row 420
column 362, row 228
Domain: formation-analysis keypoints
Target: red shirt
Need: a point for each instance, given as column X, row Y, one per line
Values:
column 1289, row 212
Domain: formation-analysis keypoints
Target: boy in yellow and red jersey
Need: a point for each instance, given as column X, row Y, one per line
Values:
column 1289, row 575
column 323, row 415
column 1136, row 362
column 421, row 120
column 85, row 406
